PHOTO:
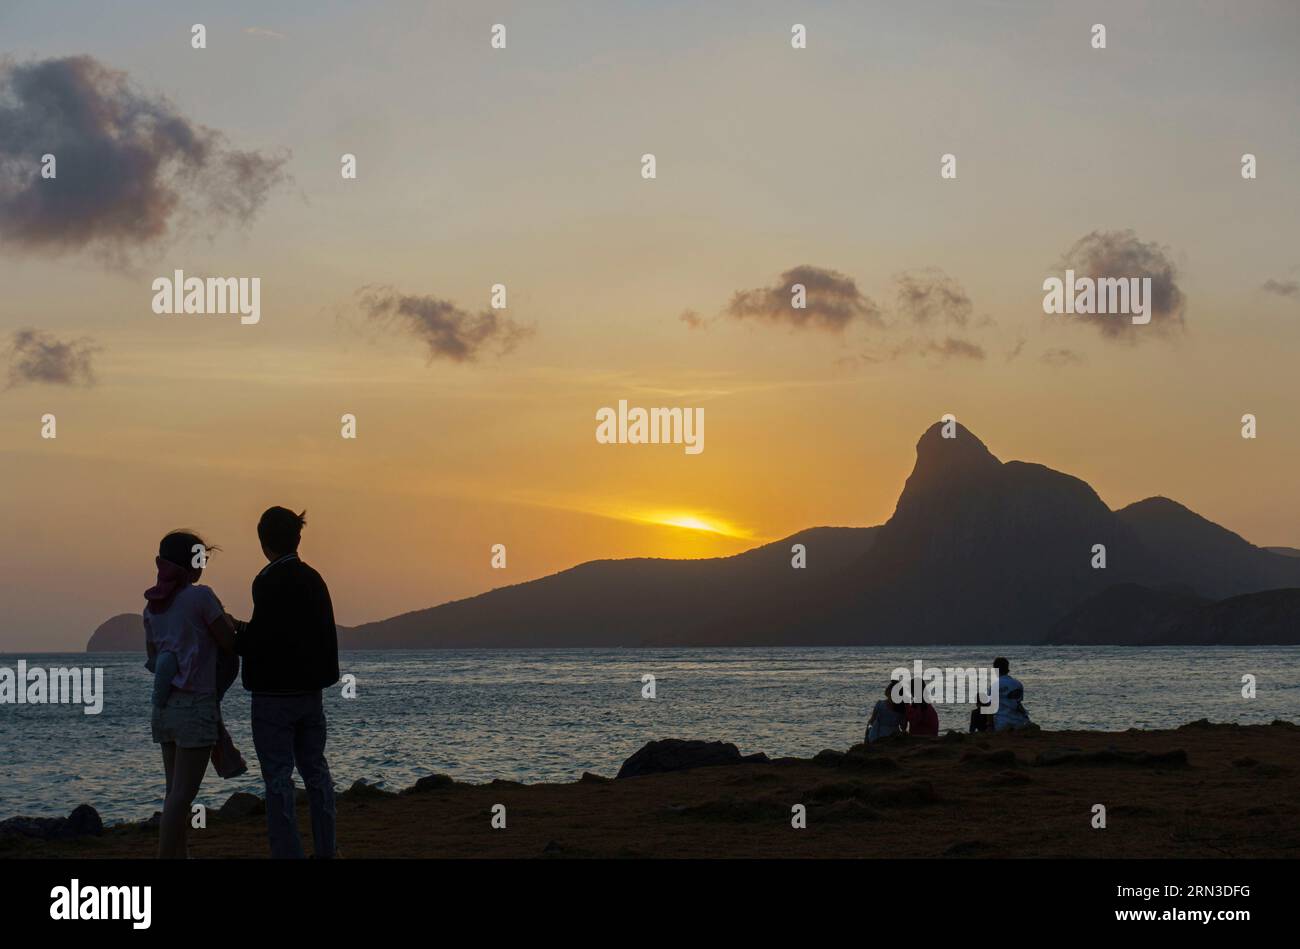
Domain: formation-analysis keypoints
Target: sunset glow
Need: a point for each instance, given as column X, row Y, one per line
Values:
column 699, row 523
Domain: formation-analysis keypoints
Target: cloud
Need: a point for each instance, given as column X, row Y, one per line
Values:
column 446, row 330
column 960, row 348
column 692, row 319
column 1121, row 254
column 930, row 296
column 930, row 304
column 1062, row 357
column 37, row 356
column 950, row 347
column 833, row 301
column 262, row 31
column 130, row 168
column 1282, row 288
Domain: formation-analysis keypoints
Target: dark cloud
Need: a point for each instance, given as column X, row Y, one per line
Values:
column 1121, row 254
column 448, row 331
column 928, row 297
column 1062, row 357
column 130, row 167
column 1016, row 350
column 1282, row 288
column 833, row 301
column 37, row 356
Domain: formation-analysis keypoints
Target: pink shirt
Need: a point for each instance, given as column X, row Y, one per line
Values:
column 923, row 720
column 183, row 630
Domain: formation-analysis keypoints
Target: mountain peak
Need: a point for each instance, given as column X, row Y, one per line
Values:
column 961, row 454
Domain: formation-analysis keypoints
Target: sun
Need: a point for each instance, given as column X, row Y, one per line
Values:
column 697, row 522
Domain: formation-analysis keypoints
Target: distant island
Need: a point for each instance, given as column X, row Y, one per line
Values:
column 977, row 551
column 121, row 633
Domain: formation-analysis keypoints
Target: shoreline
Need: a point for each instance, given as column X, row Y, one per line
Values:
column 1200, row 790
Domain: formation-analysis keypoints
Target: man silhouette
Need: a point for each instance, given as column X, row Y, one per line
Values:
column 1011, row 713
column 291, row 652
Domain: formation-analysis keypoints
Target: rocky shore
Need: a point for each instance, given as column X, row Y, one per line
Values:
column 1202, row 790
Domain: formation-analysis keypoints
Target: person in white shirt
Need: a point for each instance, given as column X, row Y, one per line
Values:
column 1011, row 713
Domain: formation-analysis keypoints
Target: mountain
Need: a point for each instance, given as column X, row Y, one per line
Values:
column 622, row 602
column 1127, row 613
column 121, row 633
column 977, row 551
column 984, row 551
column 1134, row 615
column 1186, row 548
column 1255, row 619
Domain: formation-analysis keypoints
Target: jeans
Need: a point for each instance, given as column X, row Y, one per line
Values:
column 289, row 729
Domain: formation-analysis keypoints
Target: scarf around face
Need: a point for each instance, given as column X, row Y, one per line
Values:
column 172, row 578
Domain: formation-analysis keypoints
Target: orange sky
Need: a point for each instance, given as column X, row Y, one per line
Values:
column 523, row 169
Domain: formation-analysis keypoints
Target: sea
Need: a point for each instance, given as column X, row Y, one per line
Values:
column 549, row 715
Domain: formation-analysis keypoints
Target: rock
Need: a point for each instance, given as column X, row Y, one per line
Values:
column 433, row 782
column 364, row 790
column 589, row 778
column 675, row 754
column 84, row 821
column 828, row 758
column 241, row 804
column 45, row 828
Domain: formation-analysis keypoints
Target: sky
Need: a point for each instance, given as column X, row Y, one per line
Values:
column 523, row 166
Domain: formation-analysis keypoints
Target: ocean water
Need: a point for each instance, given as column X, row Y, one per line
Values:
column 549, row 715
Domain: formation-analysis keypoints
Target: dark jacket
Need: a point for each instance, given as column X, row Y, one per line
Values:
column 291, row 643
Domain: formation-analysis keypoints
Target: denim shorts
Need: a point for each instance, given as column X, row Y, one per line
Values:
column 189, row 720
